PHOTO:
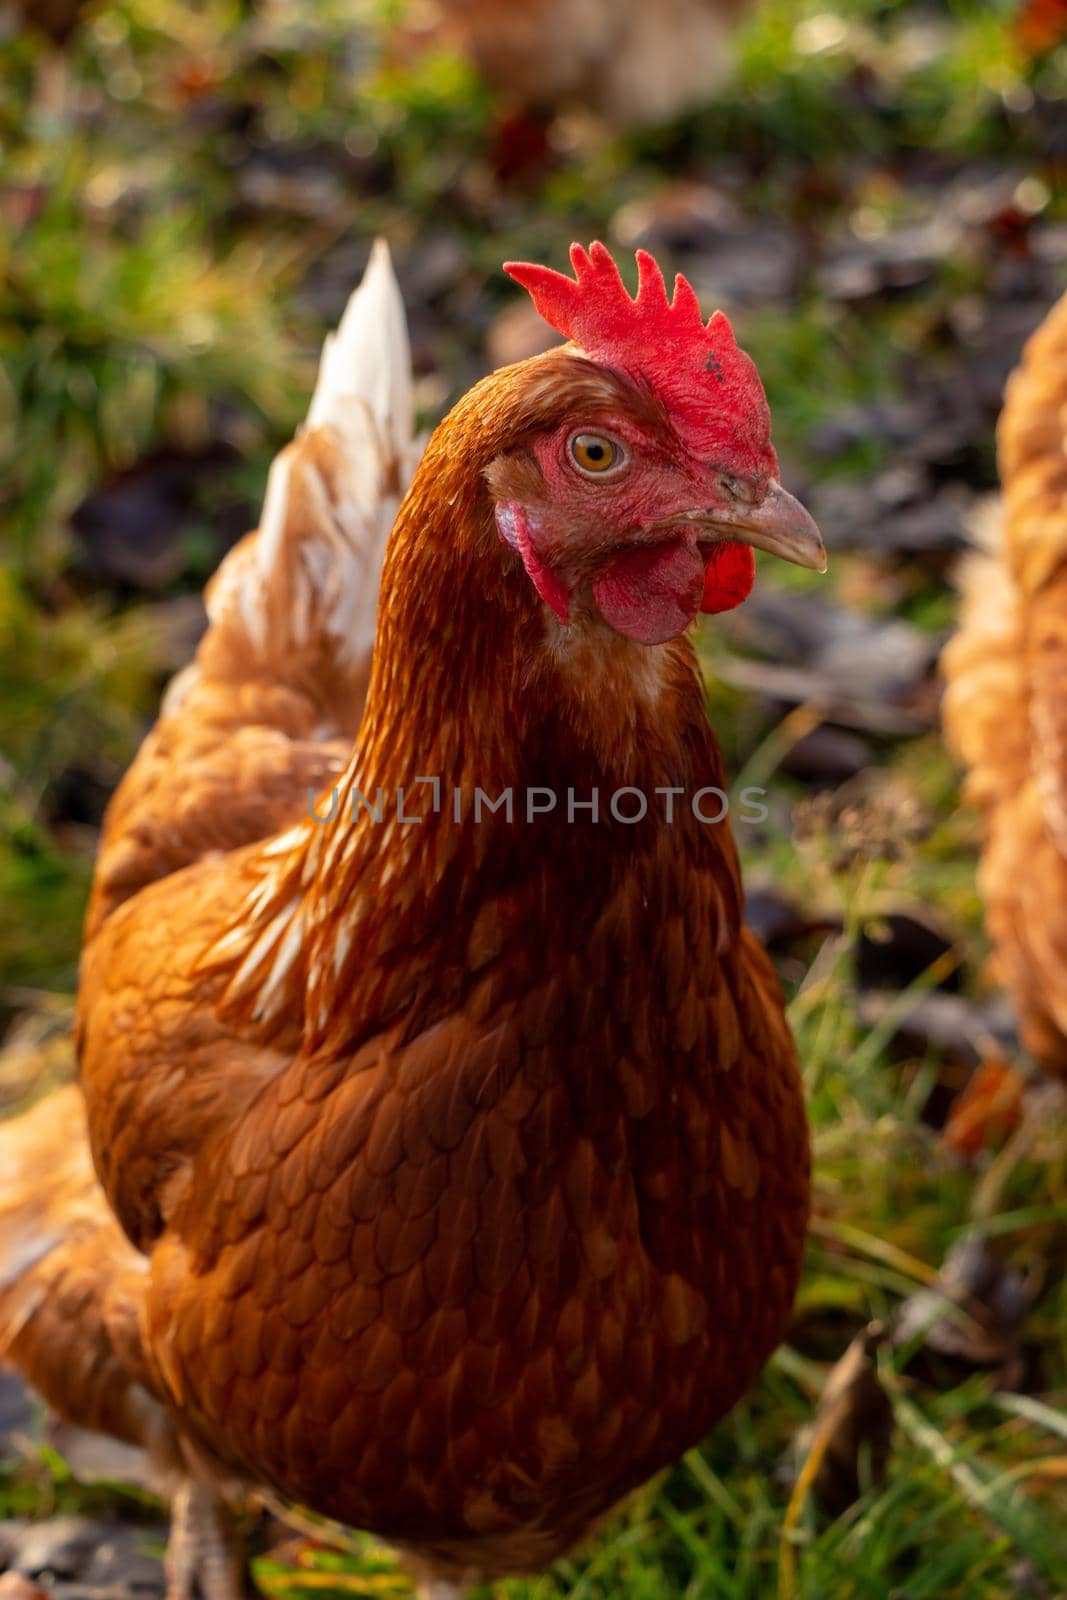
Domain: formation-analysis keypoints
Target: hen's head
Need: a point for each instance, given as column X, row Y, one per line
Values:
column 642, row 496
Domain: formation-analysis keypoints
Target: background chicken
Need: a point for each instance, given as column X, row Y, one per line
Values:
column 430, row 1213
column 1007, row 690
column 630, row 63
column 626, row 65
column 55, row 18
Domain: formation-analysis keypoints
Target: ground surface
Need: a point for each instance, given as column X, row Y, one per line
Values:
column 879, row 199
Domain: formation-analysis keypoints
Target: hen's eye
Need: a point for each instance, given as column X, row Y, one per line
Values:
column 593, row 453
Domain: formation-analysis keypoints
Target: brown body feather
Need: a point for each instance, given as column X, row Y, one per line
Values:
column 468, row 1159
column 1006, row 700
column 72, row 1285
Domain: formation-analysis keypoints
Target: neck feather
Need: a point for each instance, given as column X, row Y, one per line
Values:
column 476, row 689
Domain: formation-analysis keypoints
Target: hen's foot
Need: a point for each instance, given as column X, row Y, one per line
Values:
column 205, row 1555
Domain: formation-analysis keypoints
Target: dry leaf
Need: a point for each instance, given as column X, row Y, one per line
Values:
column 848, row 1442
column 986, row 1111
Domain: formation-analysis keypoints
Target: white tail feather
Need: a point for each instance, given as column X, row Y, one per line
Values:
column 363, row 404
column 369, row 358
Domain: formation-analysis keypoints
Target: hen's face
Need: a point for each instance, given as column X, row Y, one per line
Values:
column 613, row 514
column 652, row 474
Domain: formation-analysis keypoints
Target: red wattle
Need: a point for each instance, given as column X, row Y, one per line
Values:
column 650, row 594
column 728, row 576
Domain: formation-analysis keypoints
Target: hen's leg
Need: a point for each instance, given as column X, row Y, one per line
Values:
column 205, row 1556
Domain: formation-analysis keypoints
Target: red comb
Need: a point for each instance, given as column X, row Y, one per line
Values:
column 596, row 308
column 709, row 385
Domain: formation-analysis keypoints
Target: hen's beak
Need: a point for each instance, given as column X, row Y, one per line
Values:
column 779, row 524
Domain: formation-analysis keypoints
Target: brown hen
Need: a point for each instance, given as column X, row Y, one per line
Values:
column 451, row 1175
column 630, row 62
column 1006, row 700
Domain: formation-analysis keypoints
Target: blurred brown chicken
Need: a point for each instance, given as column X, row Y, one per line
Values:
column 56, row 19
column 1006, row 701
column 630, row 62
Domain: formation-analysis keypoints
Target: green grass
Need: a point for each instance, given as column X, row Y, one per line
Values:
column 150, row 298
